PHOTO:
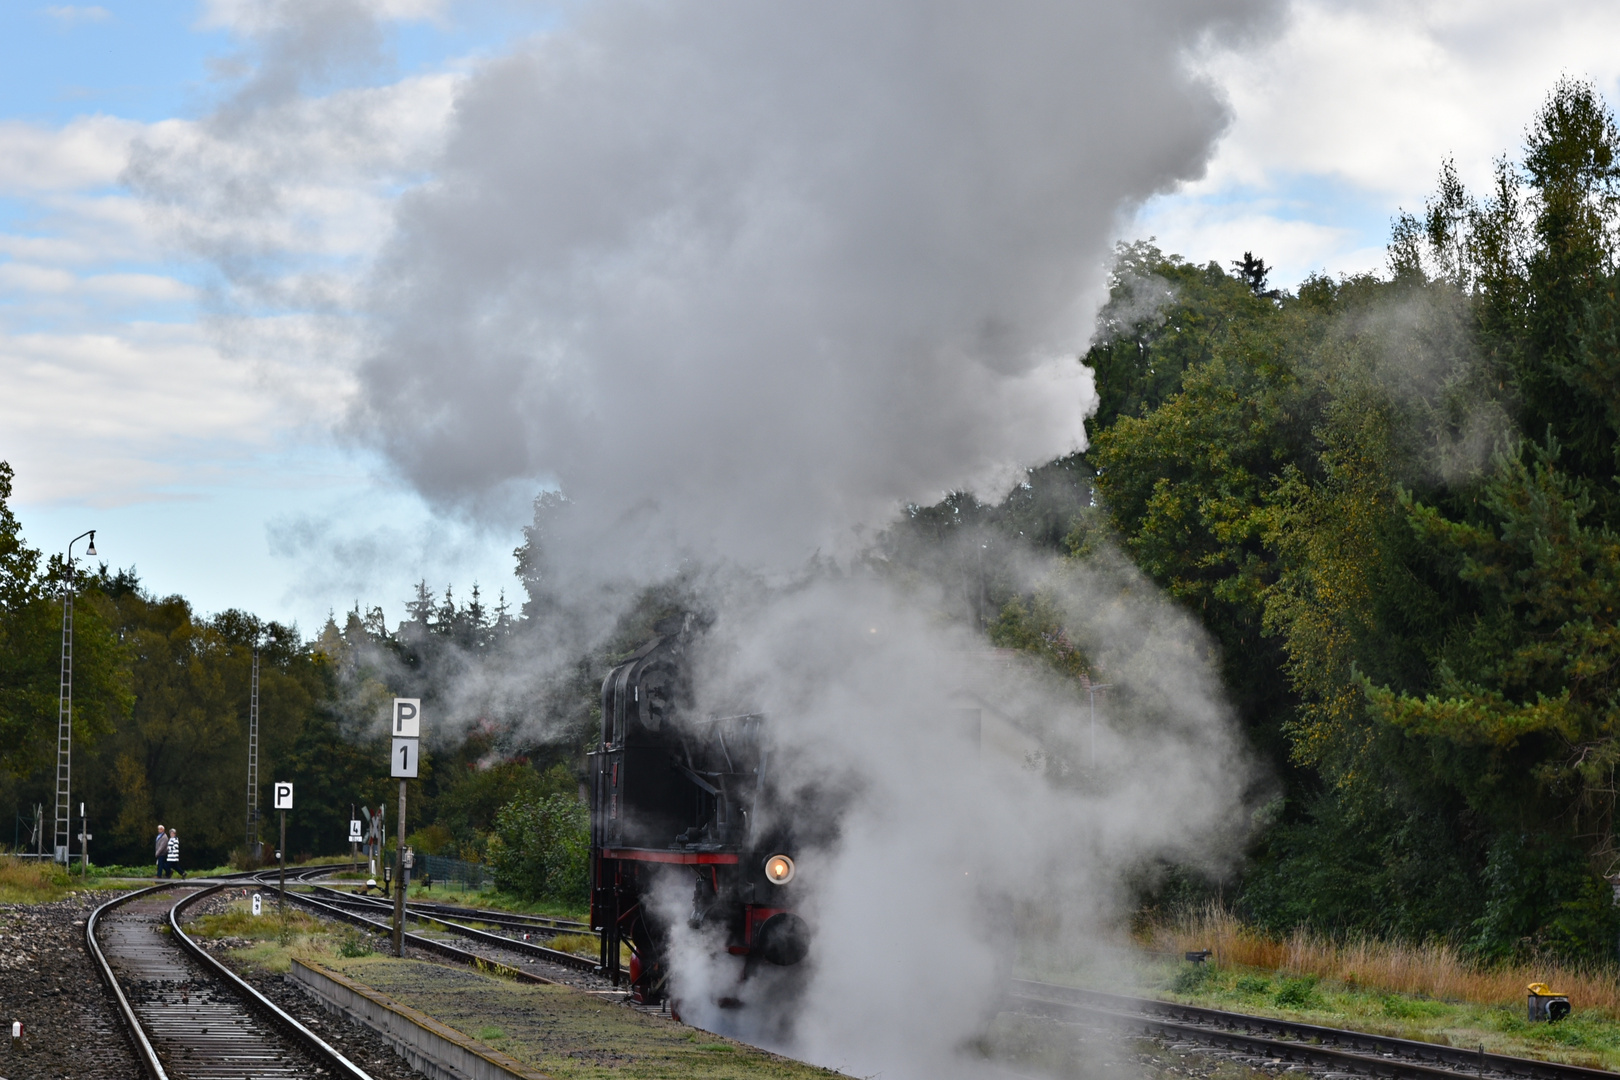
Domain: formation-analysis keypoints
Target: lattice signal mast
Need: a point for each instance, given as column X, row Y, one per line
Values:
column 61, row 841
column 253, row 762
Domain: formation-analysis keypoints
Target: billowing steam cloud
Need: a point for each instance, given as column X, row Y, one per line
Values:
column 741, row 276
column 969, row 794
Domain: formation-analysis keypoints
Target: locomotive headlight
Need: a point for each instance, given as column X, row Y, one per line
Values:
column 779, row 869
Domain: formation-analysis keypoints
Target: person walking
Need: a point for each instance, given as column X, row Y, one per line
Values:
column 160, row 852
column 174, row 855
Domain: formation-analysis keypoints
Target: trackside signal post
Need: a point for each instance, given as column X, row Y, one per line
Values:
column 403, row 760
column 284, row 804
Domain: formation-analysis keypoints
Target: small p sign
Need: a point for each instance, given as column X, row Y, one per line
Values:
column 407, row 718
column 283, row 795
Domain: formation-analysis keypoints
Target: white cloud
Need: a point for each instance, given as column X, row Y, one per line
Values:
column 36, row 279
column 107, row 418
column 71, row 14
column 257, row 17
column 1292, row 247
column 138, row 287
column 89, row 152
column 292, row 186
column 124, row 416
column 1375, row 94
column 1362, row 102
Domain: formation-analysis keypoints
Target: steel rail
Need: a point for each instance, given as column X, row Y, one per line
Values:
column 450, row 911
column 132, row 1024
column 555, row 956
column 440, row 948
column 1382, row 1055
column 280, row 1017
column 145, row 1051
column 542, row 922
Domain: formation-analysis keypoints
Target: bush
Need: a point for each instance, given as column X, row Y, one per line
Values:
column 1296, row 993
column 432, row 839
column 541, row 848
column 1253, row 984
column 1193, row 978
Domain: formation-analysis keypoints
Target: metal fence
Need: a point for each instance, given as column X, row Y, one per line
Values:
column 452, row 873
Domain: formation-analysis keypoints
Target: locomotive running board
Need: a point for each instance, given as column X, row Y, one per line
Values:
column 684, row 858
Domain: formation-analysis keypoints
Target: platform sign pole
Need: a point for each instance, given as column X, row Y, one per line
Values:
column 284, row 796
column 403, row 760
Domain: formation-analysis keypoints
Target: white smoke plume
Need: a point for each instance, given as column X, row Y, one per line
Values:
column 740, row 277
column 970, row 790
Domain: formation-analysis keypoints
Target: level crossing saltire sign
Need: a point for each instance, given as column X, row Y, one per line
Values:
column 283, row 792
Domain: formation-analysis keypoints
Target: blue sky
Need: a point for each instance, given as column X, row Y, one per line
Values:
column 197, row 422
column 220, row 519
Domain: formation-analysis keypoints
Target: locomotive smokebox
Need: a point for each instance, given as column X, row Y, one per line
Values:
column 783, row 939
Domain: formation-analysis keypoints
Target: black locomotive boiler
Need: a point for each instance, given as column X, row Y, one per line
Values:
column 678, row 795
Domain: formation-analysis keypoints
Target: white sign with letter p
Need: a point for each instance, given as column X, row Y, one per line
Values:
column 283, row 795
column 407, row 718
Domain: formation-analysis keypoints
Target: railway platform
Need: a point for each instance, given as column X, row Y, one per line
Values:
column 552, row 1030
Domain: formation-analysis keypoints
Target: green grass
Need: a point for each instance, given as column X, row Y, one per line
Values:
column 33, row 881
column 240, row 922
column 502, row 901
column 1586, row 1038
column 274, row 944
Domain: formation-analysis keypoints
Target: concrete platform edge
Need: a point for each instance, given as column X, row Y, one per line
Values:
column 430, row 1046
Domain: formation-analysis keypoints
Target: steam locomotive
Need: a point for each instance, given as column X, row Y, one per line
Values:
column 677, row 795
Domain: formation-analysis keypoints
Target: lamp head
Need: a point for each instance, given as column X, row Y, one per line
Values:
column 779, row 869
column 91, row 550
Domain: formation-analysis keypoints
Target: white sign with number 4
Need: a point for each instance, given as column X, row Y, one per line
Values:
column 402, row 764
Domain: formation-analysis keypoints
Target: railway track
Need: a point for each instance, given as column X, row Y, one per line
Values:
column 376, row 916
column 1327, row 1048
column 187, row 1015
column 443, row 913
column 511, row 920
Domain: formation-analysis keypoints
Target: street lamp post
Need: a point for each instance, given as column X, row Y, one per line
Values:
column 64, row 712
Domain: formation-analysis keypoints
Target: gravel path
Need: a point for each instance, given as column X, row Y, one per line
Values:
column 71, row 1027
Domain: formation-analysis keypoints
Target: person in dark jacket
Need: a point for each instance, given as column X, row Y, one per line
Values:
column 160, row 852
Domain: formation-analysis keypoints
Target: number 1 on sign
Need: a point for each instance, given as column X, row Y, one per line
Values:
column 403, row 762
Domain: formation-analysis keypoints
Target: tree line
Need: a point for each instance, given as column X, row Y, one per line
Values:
column 1392, row 502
